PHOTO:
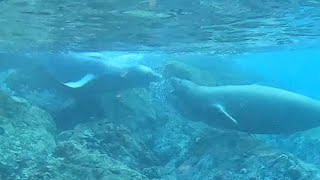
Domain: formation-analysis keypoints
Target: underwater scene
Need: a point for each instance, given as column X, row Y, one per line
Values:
column 160, row 90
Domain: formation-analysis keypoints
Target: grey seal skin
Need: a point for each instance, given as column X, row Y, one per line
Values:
column 95, row 76
column 253, row 109
column 137, row 76
column 87, row 79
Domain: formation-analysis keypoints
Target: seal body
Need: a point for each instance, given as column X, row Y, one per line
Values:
column 89, row 75
column 137, row 76
column 250, row 108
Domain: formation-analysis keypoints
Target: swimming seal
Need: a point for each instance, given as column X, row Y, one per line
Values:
column 249, row 108
column 94, row 75
column 115, row 79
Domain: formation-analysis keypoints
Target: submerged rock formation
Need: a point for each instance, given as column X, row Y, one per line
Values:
column 39, row 88
column 26, row 138
column 98, row 151
column 137, row 137
column 91, row 151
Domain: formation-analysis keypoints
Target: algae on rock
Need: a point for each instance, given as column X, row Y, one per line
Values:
column 75, row 161
column 131, row 108
column 27, row 137
column 101, row 150
column 218, row 154
column 39, row 88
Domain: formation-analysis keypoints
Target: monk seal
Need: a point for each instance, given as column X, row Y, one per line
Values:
column 253, row 109
column 93, row 75
column 115, row 79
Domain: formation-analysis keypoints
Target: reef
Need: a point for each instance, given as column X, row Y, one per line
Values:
column 27, row 137
column 138, row 135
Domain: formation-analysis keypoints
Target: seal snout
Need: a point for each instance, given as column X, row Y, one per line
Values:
column 176, row 84
column 174, row 81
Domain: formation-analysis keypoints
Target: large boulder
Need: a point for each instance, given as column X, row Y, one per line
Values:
column 74, row 160
column 135, row 109
column 304, row 145
column 99, row 150
column 26, row 137
column 221, row 155
column 39, row 88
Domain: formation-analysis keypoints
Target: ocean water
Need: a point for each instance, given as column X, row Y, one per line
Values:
column 160, row 90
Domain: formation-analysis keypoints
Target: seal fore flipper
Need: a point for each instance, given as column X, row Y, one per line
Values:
column 222, row 109
column 83, row 81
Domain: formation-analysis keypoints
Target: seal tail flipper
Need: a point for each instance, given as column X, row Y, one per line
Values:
column 223, row 111
column 83, row 81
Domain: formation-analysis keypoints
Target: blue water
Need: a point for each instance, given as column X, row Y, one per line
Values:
column 295, row 70
column 131, row 90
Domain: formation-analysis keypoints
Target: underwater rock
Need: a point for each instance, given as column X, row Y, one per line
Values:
column 139, row 101
column 216, row 154
column 116, row 141
column 304, row 145
column 106, row 150
column 39, row 88
column 243, row 158
column 27, row 137
column 172, row 138
column 134, row 109
column 73, row 160
column 141, row 139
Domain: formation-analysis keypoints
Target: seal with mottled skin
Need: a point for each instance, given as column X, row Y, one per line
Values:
column 94, row 75
column 249, row 108
column 116, row 79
